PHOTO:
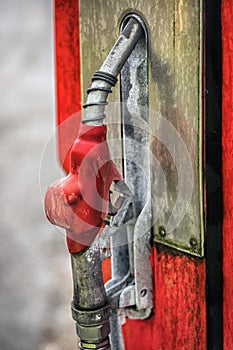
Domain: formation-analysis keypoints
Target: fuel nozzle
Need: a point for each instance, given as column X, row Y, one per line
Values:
column 79, row 202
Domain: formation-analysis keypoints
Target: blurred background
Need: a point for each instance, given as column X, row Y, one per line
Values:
column 35, row 274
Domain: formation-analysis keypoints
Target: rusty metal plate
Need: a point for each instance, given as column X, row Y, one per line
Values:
column 175, row 106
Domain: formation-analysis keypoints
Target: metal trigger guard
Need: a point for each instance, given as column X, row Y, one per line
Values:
column 117, row 241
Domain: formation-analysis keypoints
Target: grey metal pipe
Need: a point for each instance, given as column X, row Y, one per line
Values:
column 90, row 308
column 89, row 291
column 102, row 83
column 122, row 48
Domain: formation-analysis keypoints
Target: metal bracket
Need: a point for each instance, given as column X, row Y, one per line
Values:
column 131, row 284
column 128, row 239
column 135, row 103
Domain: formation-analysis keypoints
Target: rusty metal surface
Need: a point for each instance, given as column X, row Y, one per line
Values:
column 90, row 307
column 134, row 93
column 175, row 91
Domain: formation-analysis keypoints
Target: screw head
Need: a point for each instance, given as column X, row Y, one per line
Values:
column 193, row 242
column 162, row 231
column 143, row 292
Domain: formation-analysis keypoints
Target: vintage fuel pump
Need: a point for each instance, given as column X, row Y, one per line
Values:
column 79, row 203
column 144, row 197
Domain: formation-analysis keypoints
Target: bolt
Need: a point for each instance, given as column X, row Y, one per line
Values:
column 94, row 333
column 162, row 231
column 104, row 250
column 143, row 293
column 193, row 242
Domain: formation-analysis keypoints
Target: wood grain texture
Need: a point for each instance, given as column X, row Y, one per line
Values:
column 227, row 159
column 179, row 320
column 68, row 86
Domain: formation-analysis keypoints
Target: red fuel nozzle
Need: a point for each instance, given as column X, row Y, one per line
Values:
column 79, row 202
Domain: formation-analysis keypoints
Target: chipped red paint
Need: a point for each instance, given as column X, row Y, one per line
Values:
column 227, row 160
column 79, row 202
column 107, row 270
column 179, row 319
column 68, row 85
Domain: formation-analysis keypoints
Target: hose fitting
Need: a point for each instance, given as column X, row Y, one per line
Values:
column 90, row 308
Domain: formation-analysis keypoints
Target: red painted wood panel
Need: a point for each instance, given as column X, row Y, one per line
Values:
column 68, row 84
column 227, row 159
column 179, row 320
